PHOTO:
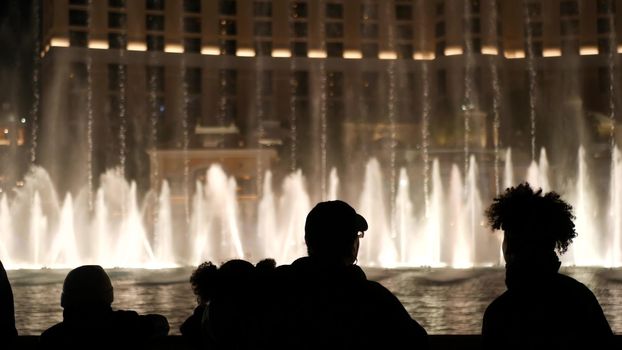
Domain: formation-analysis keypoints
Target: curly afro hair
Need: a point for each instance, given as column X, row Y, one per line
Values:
column 204, row 281
column 533, row 218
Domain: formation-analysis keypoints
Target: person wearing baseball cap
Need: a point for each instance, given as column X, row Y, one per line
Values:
column 332, row 232
column 324, row 300
column 90, row 322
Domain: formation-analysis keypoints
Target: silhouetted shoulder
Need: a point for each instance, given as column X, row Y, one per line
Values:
column 150, row 325
column 394, row 320
column 7, row 309
column 560, row 311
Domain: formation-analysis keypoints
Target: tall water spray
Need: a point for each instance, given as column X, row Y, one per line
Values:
column 497, row 94
column 34, row 110
column 531, row 69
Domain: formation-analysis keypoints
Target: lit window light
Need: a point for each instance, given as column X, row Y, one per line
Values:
column 588, row 50
column 245, row 52
column 387, row 55
column 281, row 53
column 210, row 50
column 453, row 51
column 136, row 46
column 173, row 48
column 423, row 56
column 315, row 53
column 352, row 54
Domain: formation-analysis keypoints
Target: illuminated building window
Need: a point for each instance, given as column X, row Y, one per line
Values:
column 369, row 30
column 116, row 76
column 334, row 49
column 78, row 18
column 155, row 4
column 334, row 84
column 192, row 45
column 155, row 78
column 369, row 12
column 475, row 6
column 535, row 50
column 568, row 8
column 534, row 9
column 300, row 83
column 440, row 8
column 472, row 25
column 116, row 3
column 263, row 28
column 604, row 46
column 334, row 11
column 534, row 28
column 440, row 48
column 263, row 48
column 403, row 12
column 262, row 9
column 227, row 7
column 116, row 20
column 228, row 47
column 404, row 51
column 155, row 22
column 228, row 27
column 192, row 25
column 193, row 80
column 117, row 41
column 441, row 81
column 606, row 7
column 369, row 50
column 192, row 6
column 603, row 26
column 439, row 29
column 404, row 32
column 78, row 39
column 569, row 27
column 228, row 81
column 298, row 9
column 155, row 43
column 334, row 30
column 299, row 49
column 299, row 29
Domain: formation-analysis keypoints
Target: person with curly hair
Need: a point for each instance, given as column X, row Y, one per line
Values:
column 541, row 307
column 203, row 281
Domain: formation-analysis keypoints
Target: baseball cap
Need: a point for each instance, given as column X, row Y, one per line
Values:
column 333, row 220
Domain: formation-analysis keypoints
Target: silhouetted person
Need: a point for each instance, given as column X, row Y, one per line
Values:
column 325, row 301
column 8, row 333
column 228, row 318
column 203, row 281
column 90, row 322
column 541, row 307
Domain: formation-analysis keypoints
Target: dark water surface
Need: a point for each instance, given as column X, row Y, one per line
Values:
column 444, row 301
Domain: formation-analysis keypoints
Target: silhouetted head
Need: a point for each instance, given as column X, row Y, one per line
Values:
column 332, row 232
column 85, row 287
column 535, row 225
column 266, row 265
column 203, row 281
column 234, row 277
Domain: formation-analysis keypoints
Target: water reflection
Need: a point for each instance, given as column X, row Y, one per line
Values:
column 444, row 301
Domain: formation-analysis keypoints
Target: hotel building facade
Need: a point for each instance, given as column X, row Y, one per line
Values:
column 165, row 88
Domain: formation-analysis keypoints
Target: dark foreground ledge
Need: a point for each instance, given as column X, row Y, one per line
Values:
column 437, row 342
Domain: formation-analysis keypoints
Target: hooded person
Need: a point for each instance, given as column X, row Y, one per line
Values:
column 324, row 300
column 89, row 320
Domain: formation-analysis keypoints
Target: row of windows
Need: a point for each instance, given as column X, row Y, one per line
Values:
column 190, row 6
column 335, row 10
